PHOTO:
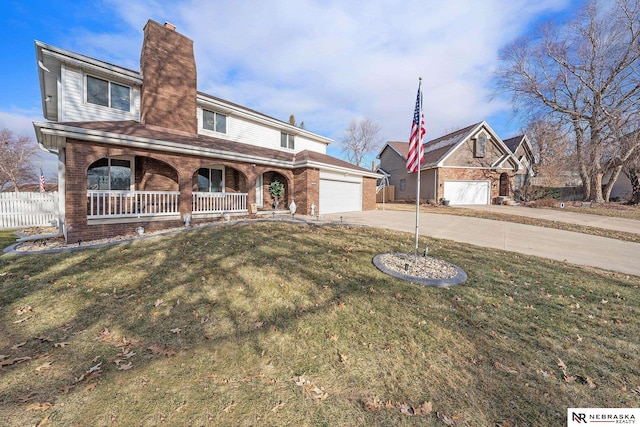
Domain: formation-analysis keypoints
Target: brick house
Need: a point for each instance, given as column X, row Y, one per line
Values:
column 147, row 149
column 469, row 166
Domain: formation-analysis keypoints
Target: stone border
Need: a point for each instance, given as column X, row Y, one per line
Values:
column 458, row 279
column 11, row 249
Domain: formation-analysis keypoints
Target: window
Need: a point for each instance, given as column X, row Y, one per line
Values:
column 286, row 141
column 403, row 184
column 108, row 94
column 481, row 142
column 210, row 180
column 109, row 174
column 214, row 121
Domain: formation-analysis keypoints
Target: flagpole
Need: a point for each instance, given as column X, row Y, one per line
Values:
column 418, row 174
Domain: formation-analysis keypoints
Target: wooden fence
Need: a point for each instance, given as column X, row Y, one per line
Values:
column 388, row 193
column 20, row 210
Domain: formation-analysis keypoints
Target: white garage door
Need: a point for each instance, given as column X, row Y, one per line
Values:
column 467, row 192
column 340, row 195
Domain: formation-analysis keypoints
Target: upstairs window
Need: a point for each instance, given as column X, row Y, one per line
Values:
column 108, row 94
column 287, row 141
column 214, row 121
column 109, row 174
column 480, row 146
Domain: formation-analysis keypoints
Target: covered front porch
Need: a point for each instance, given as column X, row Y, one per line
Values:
column 126, row 188
column 145, row 187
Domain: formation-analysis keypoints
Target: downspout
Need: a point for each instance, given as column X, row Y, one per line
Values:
column 435, row 185
column 62, row 194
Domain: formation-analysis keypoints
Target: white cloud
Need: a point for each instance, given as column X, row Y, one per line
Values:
column 19, row 122
column 329, row 61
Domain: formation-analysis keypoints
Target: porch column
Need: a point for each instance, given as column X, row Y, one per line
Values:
column 185, row 200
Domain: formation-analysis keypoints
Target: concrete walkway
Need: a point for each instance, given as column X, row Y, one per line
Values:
column 575, row 248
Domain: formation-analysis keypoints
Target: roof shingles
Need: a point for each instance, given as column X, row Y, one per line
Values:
column 135, row 129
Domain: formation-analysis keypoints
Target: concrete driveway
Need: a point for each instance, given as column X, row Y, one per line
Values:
column 575, row 248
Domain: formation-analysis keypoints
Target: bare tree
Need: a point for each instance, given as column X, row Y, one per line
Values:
column 16, row 159
column 361, row 138
column 553, row 151
column 584, row 76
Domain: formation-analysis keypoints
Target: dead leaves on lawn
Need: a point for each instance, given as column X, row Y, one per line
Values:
column 311, row 390
column 425, row 408
column 422, row 410
column 159, row 350
column 571, row 379
column 499, row 366
column 17, row 346
column 5, row 361
column 38, row 406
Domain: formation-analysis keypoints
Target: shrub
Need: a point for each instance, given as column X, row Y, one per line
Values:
column 528, row 193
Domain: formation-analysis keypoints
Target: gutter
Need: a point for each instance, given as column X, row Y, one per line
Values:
column 62, row 132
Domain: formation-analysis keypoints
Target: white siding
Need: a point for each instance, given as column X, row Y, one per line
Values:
column 243, row 130
column 75, row 109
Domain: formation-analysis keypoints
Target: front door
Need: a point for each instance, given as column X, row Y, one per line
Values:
column 504, row 184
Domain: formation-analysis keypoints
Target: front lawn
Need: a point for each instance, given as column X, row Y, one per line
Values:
column 7, row 238
column 280, row 324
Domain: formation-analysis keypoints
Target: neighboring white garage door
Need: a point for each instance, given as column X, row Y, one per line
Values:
column 467, row 192
column 340, row 193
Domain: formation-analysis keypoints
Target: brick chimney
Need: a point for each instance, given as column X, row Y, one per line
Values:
column 169, row 85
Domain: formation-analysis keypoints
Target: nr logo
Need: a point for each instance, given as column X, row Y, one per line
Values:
column 579, row 418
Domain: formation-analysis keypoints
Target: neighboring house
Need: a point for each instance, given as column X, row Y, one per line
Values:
column 521, row 148
column 468, row 166
column 622, row 188
column 146, row 149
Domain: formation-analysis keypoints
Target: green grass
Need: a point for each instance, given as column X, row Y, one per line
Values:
column 7, row 238
column 280, row 324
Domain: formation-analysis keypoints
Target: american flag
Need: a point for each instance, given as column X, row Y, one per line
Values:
column 42, row 182
column 416, row 151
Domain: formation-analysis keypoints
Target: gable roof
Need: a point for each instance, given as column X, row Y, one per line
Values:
column 437, row 150
column 514, row 143
column 52, row 136
column 401, row 148
column 522, row 141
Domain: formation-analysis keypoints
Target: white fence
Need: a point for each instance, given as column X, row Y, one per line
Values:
column 19, row 210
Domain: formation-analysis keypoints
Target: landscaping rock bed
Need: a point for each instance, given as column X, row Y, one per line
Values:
column 426, row 271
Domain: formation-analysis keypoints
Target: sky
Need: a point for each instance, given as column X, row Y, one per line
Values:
column 327, row 62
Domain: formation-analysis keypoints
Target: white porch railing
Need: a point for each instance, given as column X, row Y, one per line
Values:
column 123, row 204
column 219, row 202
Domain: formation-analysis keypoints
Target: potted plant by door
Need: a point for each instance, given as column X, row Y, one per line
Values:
column 276, row 188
